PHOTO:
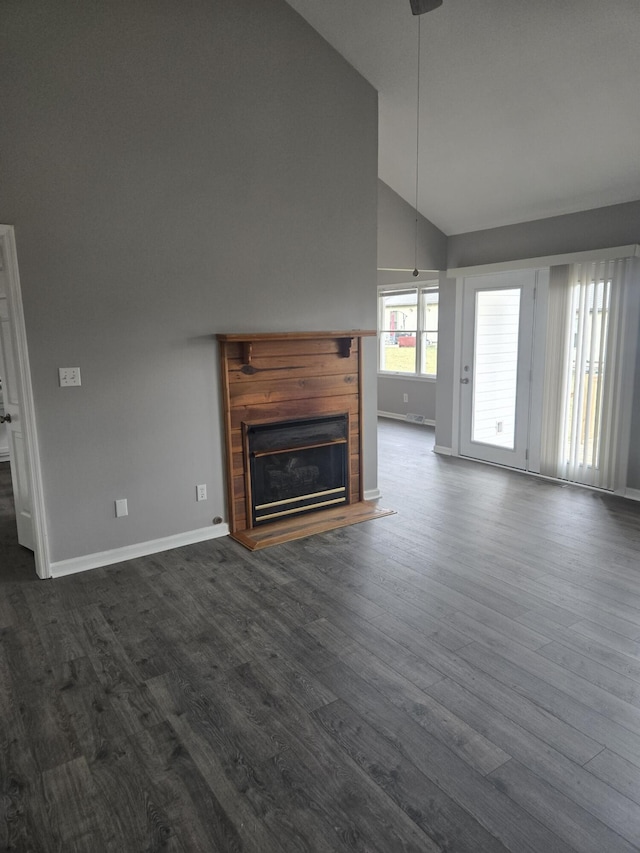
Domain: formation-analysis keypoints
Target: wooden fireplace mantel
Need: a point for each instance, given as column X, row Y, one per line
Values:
column 274, row 376
column 344, row 338
column 295, row 336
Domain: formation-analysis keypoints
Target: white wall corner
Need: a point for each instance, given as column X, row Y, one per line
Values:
column 443, row 451
column 372, row 494
column 132, row 552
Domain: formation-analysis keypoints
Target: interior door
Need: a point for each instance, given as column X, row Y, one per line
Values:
column 4, row 442
column 497, row 337
column 13, row 418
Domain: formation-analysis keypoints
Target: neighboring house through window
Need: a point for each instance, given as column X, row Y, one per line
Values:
column 408, row 329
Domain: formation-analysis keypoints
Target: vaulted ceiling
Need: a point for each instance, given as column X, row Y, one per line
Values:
column 529, row 108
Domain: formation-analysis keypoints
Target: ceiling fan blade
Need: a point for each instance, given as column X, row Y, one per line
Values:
column 419, row 7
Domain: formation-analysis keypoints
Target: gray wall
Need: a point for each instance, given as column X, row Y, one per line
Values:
column 396, row 248
column 421, row 394
column 396, row 238
column 446, row 349
column 617, row 225
column 173, row 170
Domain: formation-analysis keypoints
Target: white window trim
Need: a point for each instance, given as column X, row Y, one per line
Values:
column 385, row 289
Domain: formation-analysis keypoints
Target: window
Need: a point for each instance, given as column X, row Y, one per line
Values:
column 408, row 330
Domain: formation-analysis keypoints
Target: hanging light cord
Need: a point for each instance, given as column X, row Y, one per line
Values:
column 415, row 271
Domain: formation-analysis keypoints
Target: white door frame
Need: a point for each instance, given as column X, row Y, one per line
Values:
column 537, row 360
column 457, row 370
column 34, row 474
column 518, row 455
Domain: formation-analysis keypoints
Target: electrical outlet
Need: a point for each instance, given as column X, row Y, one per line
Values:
column 405, row 398
column 68, row 376
column 121, row 508
column 201, row 492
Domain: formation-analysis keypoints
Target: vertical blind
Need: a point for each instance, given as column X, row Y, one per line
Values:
column 585, row 368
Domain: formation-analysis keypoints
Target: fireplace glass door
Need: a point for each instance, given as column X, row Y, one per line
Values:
column 297, row 466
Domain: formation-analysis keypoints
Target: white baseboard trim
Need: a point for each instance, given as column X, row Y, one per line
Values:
column 393, row 415
column 372, row 494
column 397, row 417
column 633, row 494
column 131, row 552
column 443, row 451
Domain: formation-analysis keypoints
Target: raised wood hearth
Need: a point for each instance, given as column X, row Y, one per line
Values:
column 275, row 377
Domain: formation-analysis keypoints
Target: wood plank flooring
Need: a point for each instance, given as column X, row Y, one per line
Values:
column 463, row 676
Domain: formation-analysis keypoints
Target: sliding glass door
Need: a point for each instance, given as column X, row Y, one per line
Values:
column 546, row 383
column 590, row 345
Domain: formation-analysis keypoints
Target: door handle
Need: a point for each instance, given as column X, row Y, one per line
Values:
column 464, row 381
column 5, row 419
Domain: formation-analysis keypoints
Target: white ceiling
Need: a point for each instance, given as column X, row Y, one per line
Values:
column 529, row 108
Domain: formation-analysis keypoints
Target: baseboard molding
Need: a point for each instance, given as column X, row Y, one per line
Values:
column 372, row 494
column 443, row 451
column 393, row 415
column 131, row 552
column 632, row 494
column 396, row 417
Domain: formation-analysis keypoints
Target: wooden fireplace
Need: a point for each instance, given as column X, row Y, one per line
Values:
column 299, row 385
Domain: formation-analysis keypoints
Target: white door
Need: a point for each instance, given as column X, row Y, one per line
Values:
column 13, row 414
column 497, row 338
column 4, row 441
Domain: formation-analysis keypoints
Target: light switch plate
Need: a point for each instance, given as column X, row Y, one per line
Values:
column 121, row 508
column 69, row 376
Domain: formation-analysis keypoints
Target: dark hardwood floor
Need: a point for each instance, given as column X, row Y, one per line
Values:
column 461, row 676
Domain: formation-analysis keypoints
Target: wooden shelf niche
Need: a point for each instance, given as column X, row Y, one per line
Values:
column 274, row 377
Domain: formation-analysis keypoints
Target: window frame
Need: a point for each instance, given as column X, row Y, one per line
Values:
column 419, row 291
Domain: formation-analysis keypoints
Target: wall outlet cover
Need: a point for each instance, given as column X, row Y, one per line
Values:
column 68, row 376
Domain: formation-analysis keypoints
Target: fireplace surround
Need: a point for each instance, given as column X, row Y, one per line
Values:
column 280, row 485
column 274, row 377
